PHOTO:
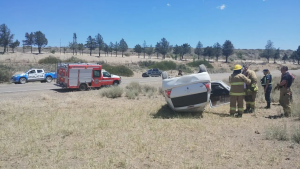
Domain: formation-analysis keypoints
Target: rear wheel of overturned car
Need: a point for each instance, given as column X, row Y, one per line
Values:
column 49, row 79
column 164, row 75
column 82, row 87
column 202, row 68
column 22, row 80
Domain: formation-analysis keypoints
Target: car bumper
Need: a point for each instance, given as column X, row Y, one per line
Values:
column 192, row 108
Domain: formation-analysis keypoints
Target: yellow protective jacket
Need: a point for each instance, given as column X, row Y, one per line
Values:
column 237, row 84
column 252, row 76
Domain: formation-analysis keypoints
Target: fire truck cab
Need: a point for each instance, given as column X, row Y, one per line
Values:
column 84, row 76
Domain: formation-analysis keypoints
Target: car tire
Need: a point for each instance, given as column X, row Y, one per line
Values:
column 115, row 83
column 22, row 80
column 164, row 75
column 202, row 68
column 82, row 87
column 49, row 79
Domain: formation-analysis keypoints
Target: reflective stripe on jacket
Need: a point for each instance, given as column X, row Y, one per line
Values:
column 237, row 84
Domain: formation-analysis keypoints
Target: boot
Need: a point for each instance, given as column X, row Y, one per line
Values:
column 247, row 110
column 252, row 110
column 238, row 115
column 268, row 106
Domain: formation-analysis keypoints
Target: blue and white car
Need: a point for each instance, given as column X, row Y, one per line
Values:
column 33, row 75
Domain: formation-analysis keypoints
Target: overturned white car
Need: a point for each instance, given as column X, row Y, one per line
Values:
column 193, row 92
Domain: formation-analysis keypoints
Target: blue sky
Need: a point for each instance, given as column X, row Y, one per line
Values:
column 249, row 24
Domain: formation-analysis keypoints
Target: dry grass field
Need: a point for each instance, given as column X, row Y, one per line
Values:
column 85, row 130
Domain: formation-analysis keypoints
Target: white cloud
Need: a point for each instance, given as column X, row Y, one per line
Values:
column 168, row 4
column 221, row 7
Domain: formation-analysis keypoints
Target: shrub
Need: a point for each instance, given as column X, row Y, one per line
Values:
column 127, row 54
column 199, row 62
column 5, row 73
column 296, row 135
column 118, row 70
column 184, row 68
column 133, row 89
column 74, row 59
column 164, row 65
column 52, row 51
column 149, row 90
column 277, row 132
column 112, row 92
column 231, row 59
column 49, row 60
column 146, row 63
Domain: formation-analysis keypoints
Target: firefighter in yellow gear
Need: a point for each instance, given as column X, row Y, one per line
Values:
column 251, row 89
column 237, row 91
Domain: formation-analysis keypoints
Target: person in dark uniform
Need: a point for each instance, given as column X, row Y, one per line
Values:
column 180, row 73
column 266, row 83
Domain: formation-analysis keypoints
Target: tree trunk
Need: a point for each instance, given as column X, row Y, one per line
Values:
column 122, row 53
column 116, row 53
column 90, row 52
column 268, row 60
column 111, row 53
column 217, row 58
column 73, row 51
column 226, row 59
column 138, row 55
column 31, row 48
column 99, row 52
column 144, row 55
column 13, row 49
column 39, row 50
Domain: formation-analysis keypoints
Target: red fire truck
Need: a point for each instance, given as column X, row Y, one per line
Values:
column 84, row 75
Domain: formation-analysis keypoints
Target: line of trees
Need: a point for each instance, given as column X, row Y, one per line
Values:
column 271, row 52
column 162, row 47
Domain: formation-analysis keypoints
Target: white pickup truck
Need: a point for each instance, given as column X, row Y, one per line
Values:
column 191, row 93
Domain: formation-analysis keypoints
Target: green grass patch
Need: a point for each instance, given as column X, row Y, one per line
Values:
column 199, row 62
column 118, row 70
column 164, row 65
column 49, row 60
column 5, row 73
column 74, row 59
column 146, row 63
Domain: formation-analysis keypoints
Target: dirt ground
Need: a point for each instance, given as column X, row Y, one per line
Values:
column 53, row 129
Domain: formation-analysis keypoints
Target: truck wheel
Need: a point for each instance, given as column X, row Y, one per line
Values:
column 202, row 68
column 116, row 83
column 49, row 79
column 164, row 75
column 22, row 80
column 82, row 87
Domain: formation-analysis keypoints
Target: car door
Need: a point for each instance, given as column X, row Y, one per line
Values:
column 150, row 72
column 155, row 72
column 96, row 78
column 219, row 94
column 107, row 80
column 40, row 74
column 32, row 75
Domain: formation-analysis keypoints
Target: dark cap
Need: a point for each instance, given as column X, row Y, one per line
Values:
column 265, row 70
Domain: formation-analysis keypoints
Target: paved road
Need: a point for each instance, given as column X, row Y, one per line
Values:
column 12, row 88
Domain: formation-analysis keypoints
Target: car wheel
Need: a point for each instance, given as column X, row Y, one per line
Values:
column 116, row 83
column 22, row 80
column 202, row 68
column 82, row 87
column 164, row 75
column 49, row 79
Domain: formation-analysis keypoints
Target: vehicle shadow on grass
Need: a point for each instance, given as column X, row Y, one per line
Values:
column 63, row 90
column 166, row 113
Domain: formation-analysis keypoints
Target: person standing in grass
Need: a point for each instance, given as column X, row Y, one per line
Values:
column 251, row 89
column 266, row 83
column 285, row 91
column 237, row 91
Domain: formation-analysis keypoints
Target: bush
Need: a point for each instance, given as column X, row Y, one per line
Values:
column 184, row 68
column 277, row 132
column 296, row 135
column 146, row 63
column 52, row 51
column 149, row 90
column 118, row 70
column 112, row 92
column 133, row 90
column 199, row 62
column 164, row 65
column 49, row 60
column 127, row 54
column 5, row 73
column 74, row 59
